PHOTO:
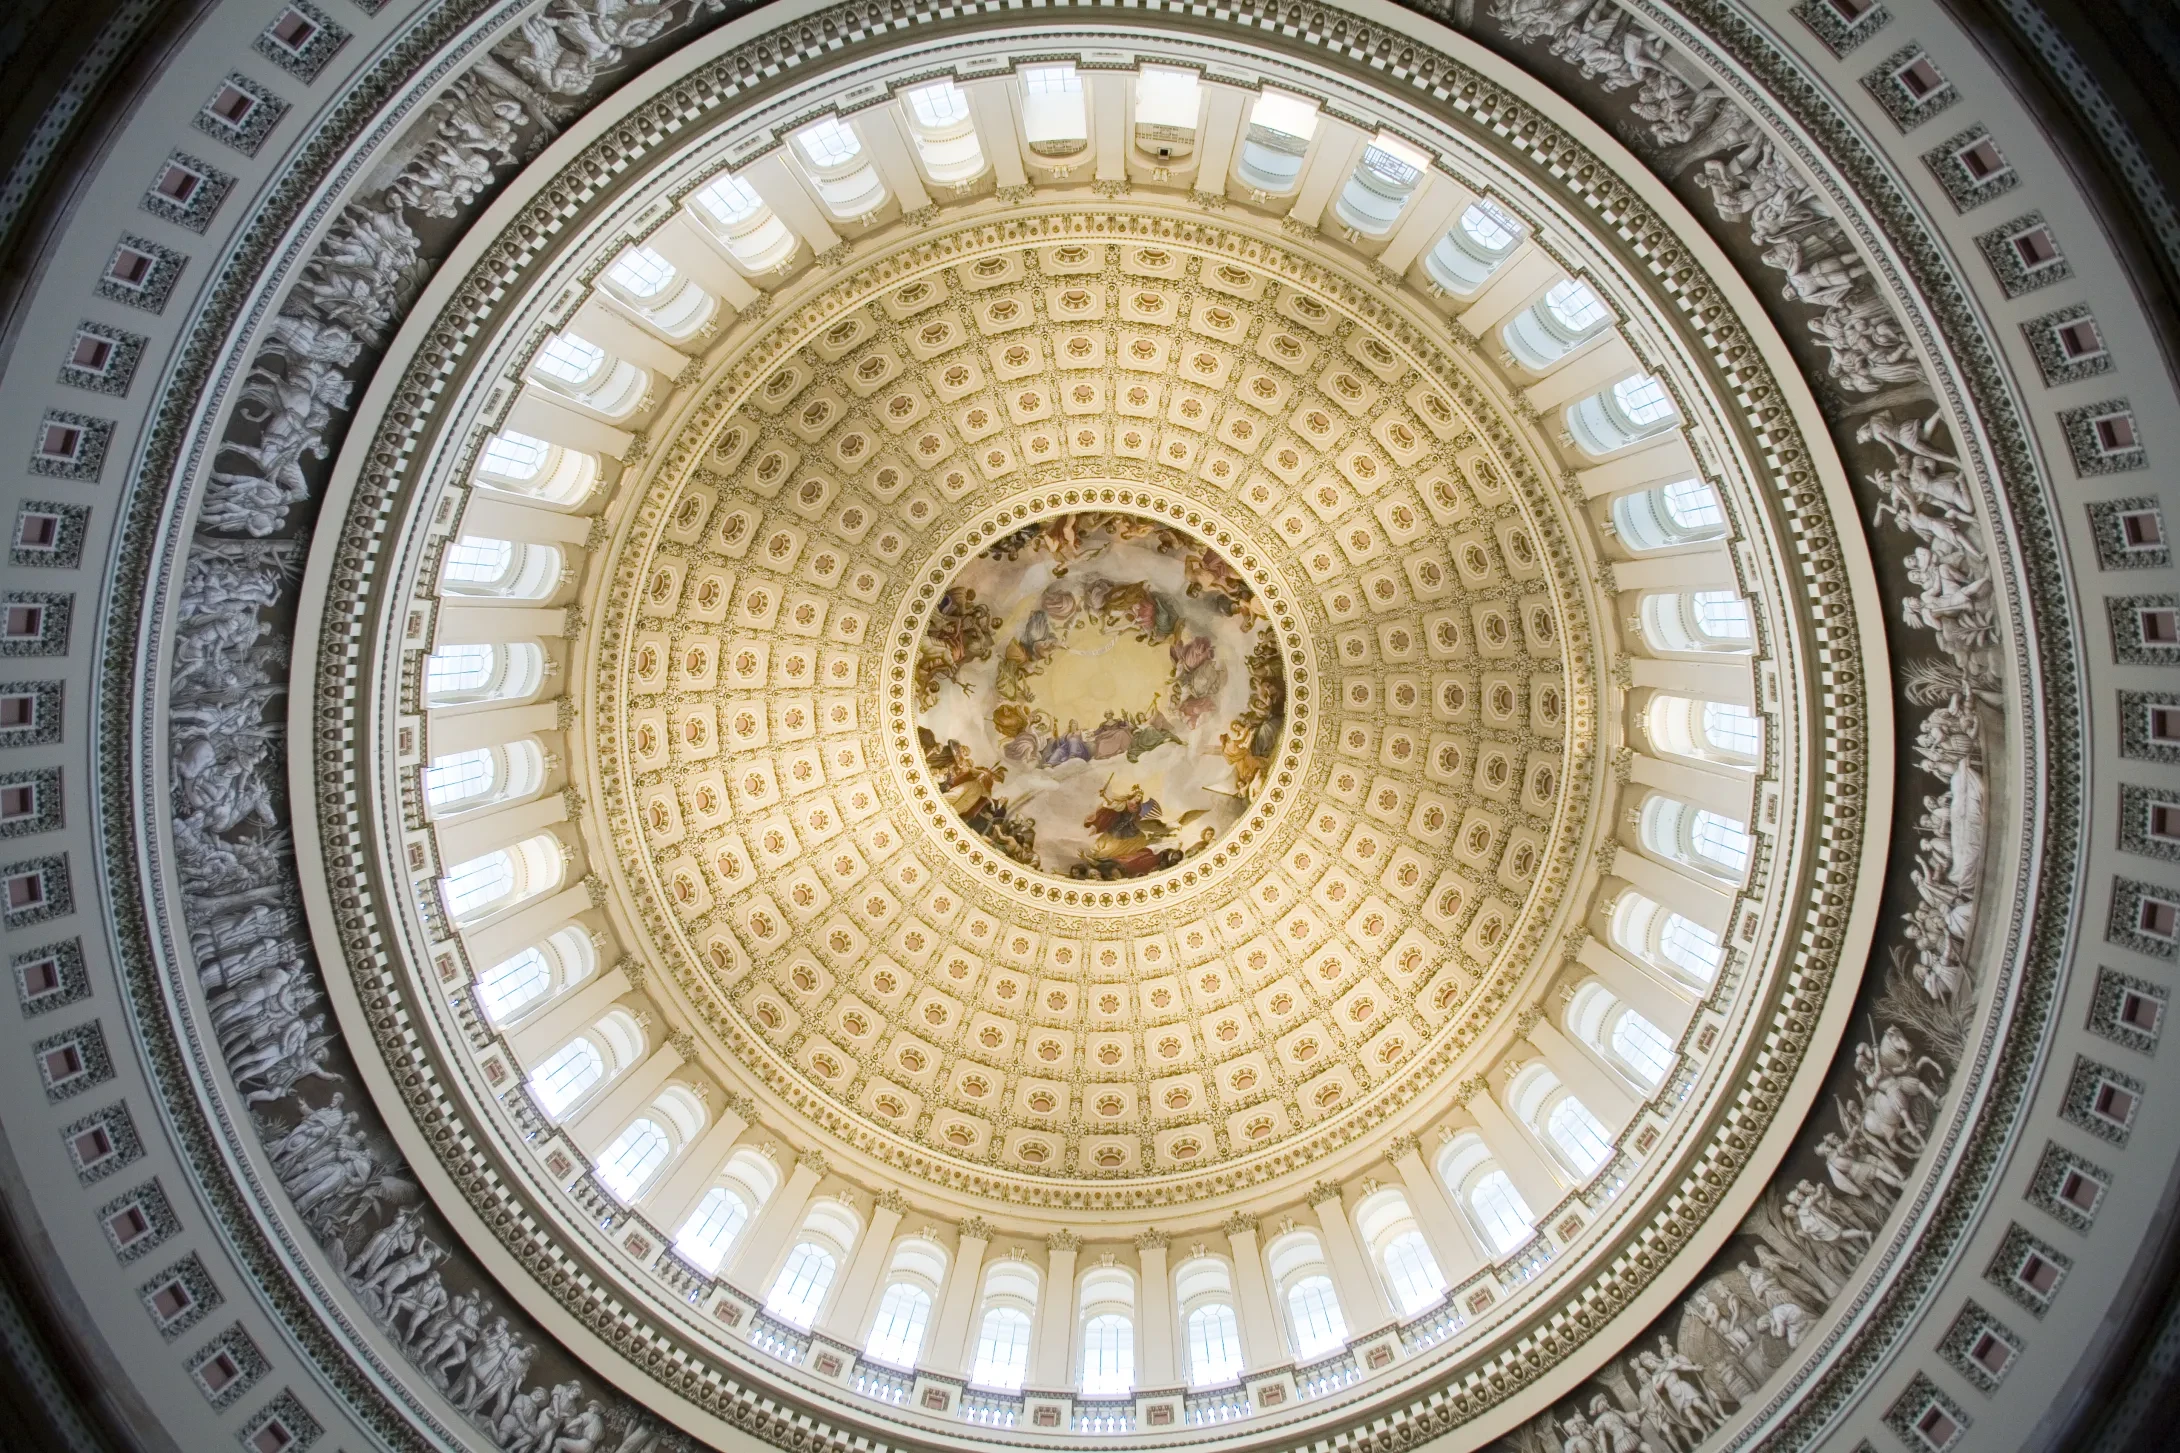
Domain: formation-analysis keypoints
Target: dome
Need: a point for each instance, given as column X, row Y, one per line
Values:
column 1269, row 727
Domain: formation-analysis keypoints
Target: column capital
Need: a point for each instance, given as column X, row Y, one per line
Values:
column 1063, row 1241
column 1241, row 1223
column 1400, row 1147
column 1322, row 1192
column 1153, row 1240
column 976, row 1228
column 813, row 1161
column 892, row 1200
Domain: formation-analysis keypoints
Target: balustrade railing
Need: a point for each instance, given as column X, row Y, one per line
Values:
column 1328, row 1375
column 790, row 1344
column 1433, row 1327
column 1215, row 1405
column 887, row 1384
column 991, row 1409
column 1105, row 1417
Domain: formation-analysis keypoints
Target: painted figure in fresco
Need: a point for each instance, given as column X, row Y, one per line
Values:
column 1131, row 836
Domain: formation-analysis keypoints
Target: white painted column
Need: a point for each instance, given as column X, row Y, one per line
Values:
column 750, row 1264
column 1225, row 110
column 946, row 1349
column 501, row 939
column 851, row 1305
column 998, row 130
column 1056, row 1314
column 784, row 193
column 1159, row 1368
column 1662, row 460
column 1599, row 1093
column 543, row 415
column 545, row 1031
column 1261, row 1344
column 690, row 247
column 1518, row 1155
column 1648, row 993
column 1425, row 220
column 1728, row 791
column 1453, row 1246
column 1107, row 94
column 891, row 151
column 1676, row 889
column 668, row 1203
column 595, row 1128
column 1362, row 1298
column 1728, row 679
column 1515, row 284
column 475, row 834
column 1331, row 162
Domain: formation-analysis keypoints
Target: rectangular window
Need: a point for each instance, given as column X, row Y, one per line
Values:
column 1937, row 1427
column 23, row 622
column 38, row 530
column 1991, row 1354
column 2035, row 248
column 61, row 1064
column 127, row 1226
column 41, row 977
column 92, row 1147
column 18, row 709
column 170, row 1300
column 2079, row 1191
column 2160, row 626
column 2037, row 1274
column 91, row 353
column 292, row 31
column 2165, row 821
column 2165, row 723
column 2140, row 1011
column 18, row 801
column 2114, row 1104
column 25, row 891
column 272, row 1438
column 177, row 183
column 1920, row 78
column 1850, row 10
column 2142, row 529
column 130, row 267
column 1982, row 160
column 2080, row 339
column 2116, row 433
column 2159, row 919
column 233, row 106
column 218, row 1373
column 59, row 441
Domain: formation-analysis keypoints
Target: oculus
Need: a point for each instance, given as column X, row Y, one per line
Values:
column 1098, row 695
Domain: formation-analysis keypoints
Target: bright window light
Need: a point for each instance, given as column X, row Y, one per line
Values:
column 710, row 1230
column 803, row 1282
column 458, row 776
column 1288, row 115
column 572, row 360
column 941, row 105
column 730, row 200
column 897, row 1336
column 512, row 984
column 1214, row 1345
column 829, row 143
column 1002, row 1349
column 627, row 1165
column 567, row 1076
column 642, row 272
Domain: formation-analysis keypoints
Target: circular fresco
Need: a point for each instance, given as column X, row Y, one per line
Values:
column 1098, row 695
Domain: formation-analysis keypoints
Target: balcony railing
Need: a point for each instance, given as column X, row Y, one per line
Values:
column 1328, row 1375
column 887, row 1384
column 1105, row 1417
column 790, row 1344
column 1215, row 1405
column 991, row 1409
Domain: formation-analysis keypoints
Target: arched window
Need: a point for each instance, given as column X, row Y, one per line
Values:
column 481, row 566
column 845, row 180
column 642, row 274
column 1166, row 96
column 1634, row 408
column 1645, row 929
column 1002, row 1349
column 1276, row 142
column 828, row 1234
column 1055, row 119
column 529, row 466
column 1621, row 1036
column 570, row 359
column 1003, row 1332
column 1377, row 191
column 946, row 141
column 1302, row 1282
column 706, row 1236
column 802, row 1284
column 1568, row 314
column 478, row 885
column 513, row 984
column 628, row 1164
column 1485, row 1192
column 566, row 1076
column 1108, row 1333
column 454, row 675
column 1682, row 513
column 1706, row 731
column 1579, row 1135
column 1704, row 840
column 1214, row 1345
column 897, row 1336
column 1473, row 248
column 754, row 236
column 1697, row 620
column 491, row 882
column 459, row 777
column 1641, row 1046
column 1315, row 1314
column 472, row 560
column 1505, row 1216
column 1395, row 1243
